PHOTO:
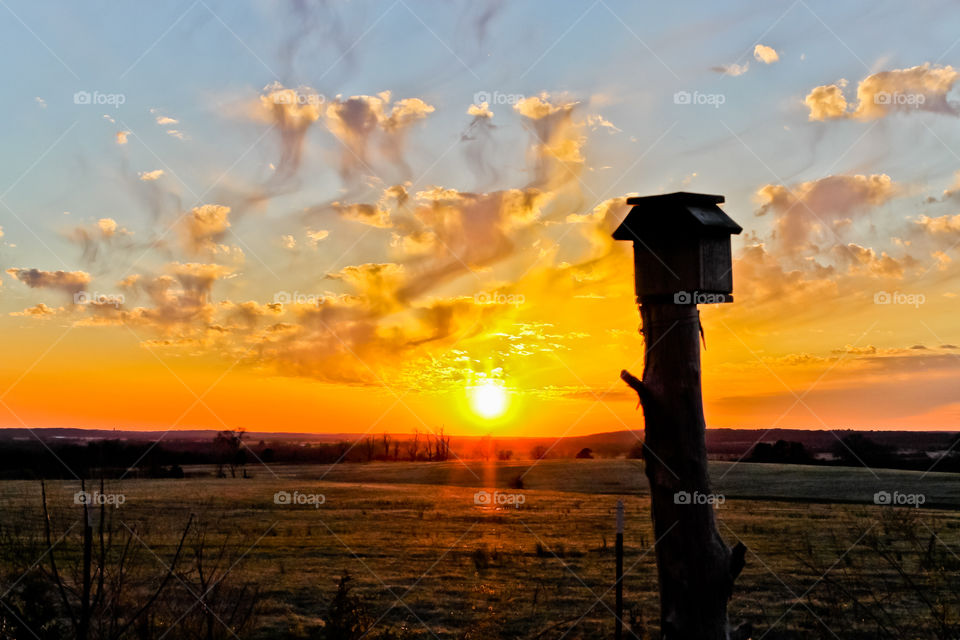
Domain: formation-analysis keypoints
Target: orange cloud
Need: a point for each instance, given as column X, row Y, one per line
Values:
column 204, row 226
column 765, row 54
column 809, row 207
column 921, row 88
column 71, row 282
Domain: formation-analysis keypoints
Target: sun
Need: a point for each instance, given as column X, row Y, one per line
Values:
column 488, row 399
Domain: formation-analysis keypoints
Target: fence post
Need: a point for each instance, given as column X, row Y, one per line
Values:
column 682, row 258
column 618, row 635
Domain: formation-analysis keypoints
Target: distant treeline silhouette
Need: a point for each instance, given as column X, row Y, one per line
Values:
column 858, row 450
column 233, row 454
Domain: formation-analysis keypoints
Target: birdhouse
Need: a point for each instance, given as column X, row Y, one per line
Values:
column 681, row 247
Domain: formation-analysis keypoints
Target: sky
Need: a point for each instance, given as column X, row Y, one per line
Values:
column 351, row 216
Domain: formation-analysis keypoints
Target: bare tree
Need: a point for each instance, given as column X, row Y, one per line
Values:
column 441, row 446
column 230, row 450
column 413, row 446
column 369, row 447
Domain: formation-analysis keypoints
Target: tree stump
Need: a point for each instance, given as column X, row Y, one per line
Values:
column 696, row 569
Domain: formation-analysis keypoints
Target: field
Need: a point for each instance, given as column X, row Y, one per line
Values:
column 428, row 561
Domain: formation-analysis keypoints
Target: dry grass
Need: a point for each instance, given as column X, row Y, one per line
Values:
column 425, row 556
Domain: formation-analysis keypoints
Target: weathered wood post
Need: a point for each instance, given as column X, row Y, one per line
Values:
column 618, row 633
column 682, row 258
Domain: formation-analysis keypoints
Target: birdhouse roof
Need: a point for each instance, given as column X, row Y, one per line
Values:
column 676, row 213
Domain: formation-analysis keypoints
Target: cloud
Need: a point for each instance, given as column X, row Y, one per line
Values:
column 943, row 225
column 292, row 112
column 107, row 226
column 558, row 140
column 314, row 237
column 162, row 119
column 70, row 282
column 204, row 226
column 368, row 214
column 478, row 144
column 148, row 176
column 92, row 239
column 358, row 120
column 921, row 88
column 180, row 301
column 810, row 207
column 176, row 133
column 251, row 311
column 122, row 137
column 826, row 102
column 40, row 102
column 765, row 54
column 199, row 277
column 412, row 303
column 481, row 110
column 866, row 260
column 378, row 284
column 732, row 69
column 596, row 121
column 765, row 282
column 39, row 310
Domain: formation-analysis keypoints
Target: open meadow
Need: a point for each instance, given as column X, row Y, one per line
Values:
column 428, row 556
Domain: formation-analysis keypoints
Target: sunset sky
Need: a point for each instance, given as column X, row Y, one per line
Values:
column 345, row 216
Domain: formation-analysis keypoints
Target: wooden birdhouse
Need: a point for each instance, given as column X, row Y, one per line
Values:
column 681, row 248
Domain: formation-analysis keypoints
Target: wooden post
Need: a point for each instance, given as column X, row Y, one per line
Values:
column 618, row 634
column 682, row 258
column 696, row 569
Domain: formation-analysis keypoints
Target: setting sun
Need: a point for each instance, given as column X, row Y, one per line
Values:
column 488, row 399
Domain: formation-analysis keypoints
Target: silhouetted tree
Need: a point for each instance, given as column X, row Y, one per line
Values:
column 369, row 447
column 858, row 450
column 230, row 451
column 781, row 452
column 413, row 446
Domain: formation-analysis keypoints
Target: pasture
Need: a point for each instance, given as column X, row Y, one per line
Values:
column 430, row 557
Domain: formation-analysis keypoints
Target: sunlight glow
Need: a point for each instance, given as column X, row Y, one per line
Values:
column 488, row 399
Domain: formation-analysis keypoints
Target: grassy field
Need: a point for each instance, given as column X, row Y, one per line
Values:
column 429, row 561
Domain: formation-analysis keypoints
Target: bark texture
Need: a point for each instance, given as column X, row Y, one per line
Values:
column 696, row 569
